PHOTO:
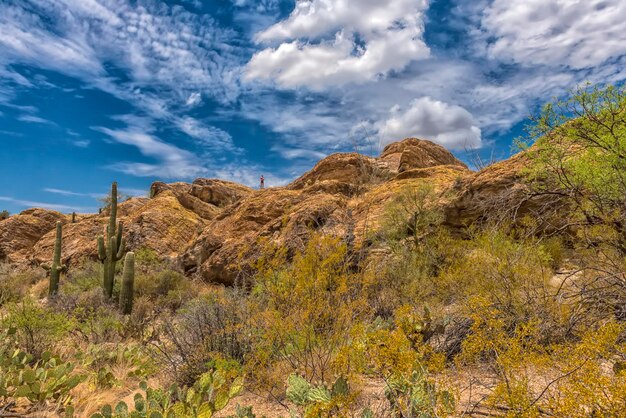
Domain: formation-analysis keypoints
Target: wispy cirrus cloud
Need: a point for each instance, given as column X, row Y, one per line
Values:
column 35, row 119
column 161, row 59
column 171, row 161
column 52, row 206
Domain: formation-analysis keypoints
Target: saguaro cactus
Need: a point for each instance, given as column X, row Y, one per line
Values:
column 128, row 284
column 56, row 268
column 73, row 217
column 111, row 251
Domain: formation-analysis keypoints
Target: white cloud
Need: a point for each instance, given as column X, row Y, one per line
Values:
column 194, row 99
column 170, row 57
column 210, row 136
column 578, row 34
column 172, row 162
column 35, row 119
column 51, row 206
column 448, row 125
column 63, row 192
column 369, row 39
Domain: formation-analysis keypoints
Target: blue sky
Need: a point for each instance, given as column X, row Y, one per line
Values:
column 135, row 91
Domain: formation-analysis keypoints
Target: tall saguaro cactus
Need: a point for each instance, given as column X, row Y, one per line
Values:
column 111, row 251
column 56, row 268
column 128, row 284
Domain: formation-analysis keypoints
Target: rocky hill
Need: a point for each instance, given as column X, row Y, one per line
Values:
column 213, row 228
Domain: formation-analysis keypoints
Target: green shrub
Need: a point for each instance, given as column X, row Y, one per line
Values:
column 37, row 329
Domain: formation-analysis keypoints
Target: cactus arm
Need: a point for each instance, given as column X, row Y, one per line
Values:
column 120, row 250
column 120, row 231
column 102, row 253
column 46, row 267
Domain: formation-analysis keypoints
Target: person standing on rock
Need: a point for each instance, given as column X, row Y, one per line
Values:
column 262, row 182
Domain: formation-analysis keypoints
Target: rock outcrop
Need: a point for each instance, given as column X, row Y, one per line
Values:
column 215, row 229
column 19, row 233
column 160, row 224
column 344, row 194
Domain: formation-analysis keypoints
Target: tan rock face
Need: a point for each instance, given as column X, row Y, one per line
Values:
column 219, row 193
column 417, row 153
column 344, row 194
column 20, row 232
column 351, row 170
column 161, row 224
column 499, row 192
column 216, row 229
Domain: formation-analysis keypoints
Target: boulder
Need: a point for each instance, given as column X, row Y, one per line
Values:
column 414, row 153
column 219, row 193
column 19, row 233
column 349, row 169
column 499, row 193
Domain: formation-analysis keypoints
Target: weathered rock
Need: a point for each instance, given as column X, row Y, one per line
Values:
column 182, row 191
column 161, row 224
column 499, row 193
column 234, row 240
column 219, row 192
column 19, row 233
column 417, row 153
column 351, row 169
column 344, row 194
column 217, row 229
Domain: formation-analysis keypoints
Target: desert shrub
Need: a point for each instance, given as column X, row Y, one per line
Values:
column 148, row 260
column 206, row 328
column 569, row 379
column 511, row 354
column 303, row 313
column 85, row 277
column 585, row 384
column 94, row 319
column 166, row 288
column 513, row 276
column 411, row 215
column 14, row 284
column 406, row 275
column 578, row 158
column 4, row 214
column 400, row 354
column 36, row 328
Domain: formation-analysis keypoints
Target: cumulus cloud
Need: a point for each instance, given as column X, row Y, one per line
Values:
column 578, row 34
column 448, row 125
column 328, row 43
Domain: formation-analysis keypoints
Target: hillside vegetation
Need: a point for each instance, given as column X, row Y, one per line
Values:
column 399, row 286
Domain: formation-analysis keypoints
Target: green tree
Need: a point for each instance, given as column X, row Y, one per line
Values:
column 579, row 157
